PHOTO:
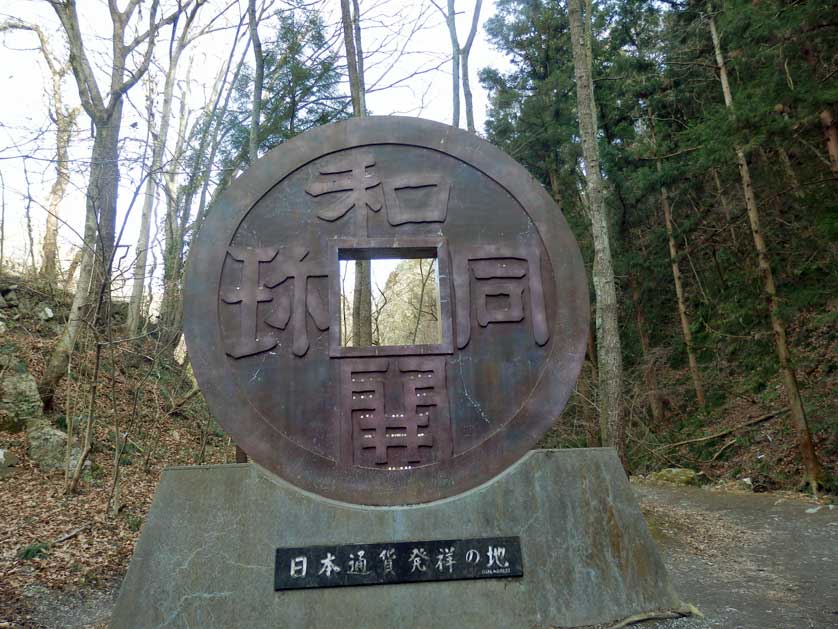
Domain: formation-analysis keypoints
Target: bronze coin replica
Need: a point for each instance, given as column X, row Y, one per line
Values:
column 410, row 418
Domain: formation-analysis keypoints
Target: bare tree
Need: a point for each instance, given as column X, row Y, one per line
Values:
column 813, row 472
column 464, row 55
column 422, row 289
column 258, row 78
column 175, row 222
column 27, row 212
column 204, row 138
column 2, row 220
column 359, row 59
column 135, row 305
column 350, row 33
column 210, row 135
column 104, row 107
column 609, row 357
column 451, row 19
column 459, row 62
column 64, row 119
column 135, row 302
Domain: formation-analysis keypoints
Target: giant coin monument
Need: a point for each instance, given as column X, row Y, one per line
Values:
column 405, row 461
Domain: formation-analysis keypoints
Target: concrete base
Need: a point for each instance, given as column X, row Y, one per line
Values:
column 206, row 554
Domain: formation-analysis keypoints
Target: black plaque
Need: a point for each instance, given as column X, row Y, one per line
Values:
column 399, row 562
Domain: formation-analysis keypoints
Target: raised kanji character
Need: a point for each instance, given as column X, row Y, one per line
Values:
column 351, row 176
column 496, row 277
column 292, row 302
column 293, row 263
column 248, row 294
column 427, row 201
column 410, row 428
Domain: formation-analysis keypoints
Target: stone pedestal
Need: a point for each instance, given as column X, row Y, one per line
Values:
column 206, row 554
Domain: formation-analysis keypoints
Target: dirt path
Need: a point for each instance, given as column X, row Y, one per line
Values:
column 749, row 561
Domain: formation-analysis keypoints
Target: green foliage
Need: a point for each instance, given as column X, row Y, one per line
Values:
column 664, row 123
column 300, row 91
column 35, row 550
column 97, row 472
column 8, row 348
column 134, row 522
column 61, row 421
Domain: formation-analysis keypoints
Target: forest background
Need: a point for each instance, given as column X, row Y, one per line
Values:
column 692, row 146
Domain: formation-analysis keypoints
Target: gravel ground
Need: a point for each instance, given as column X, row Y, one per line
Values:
column 747, row 561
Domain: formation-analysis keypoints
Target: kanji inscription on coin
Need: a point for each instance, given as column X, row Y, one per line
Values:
column 439, row 405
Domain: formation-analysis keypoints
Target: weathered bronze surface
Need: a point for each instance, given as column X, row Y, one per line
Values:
column 385, row 425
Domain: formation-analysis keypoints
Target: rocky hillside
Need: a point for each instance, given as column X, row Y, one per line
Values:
column 74, row 542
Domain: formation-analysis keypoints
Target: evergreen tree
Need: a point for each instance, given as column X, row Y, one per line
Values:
column 665, row 131
column 301, row 88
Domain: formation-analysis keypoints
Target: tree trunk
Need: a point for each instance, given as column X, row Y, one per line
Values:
column 830, row 134
column 258, row 80
column 2, row 220
column 595, row 424
column 64, row 121
column 60, row 358
column 171, row 309
column 650, row 375
column 359, row 59
column 171, row 302
column 27, row 213
column 103, row 184
column 464, row 54
column 725, row 205
column 362, row 295
column 135, row 304
column 351, row 59
column 679, row 292
column 71, row 270
column 610, row 362
column 813, row 473
column 451, row 20
column 362, row 305
column 101, row 198
column 215, row 127
column 178, row 207
column 794, row 182
column 107, row 190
